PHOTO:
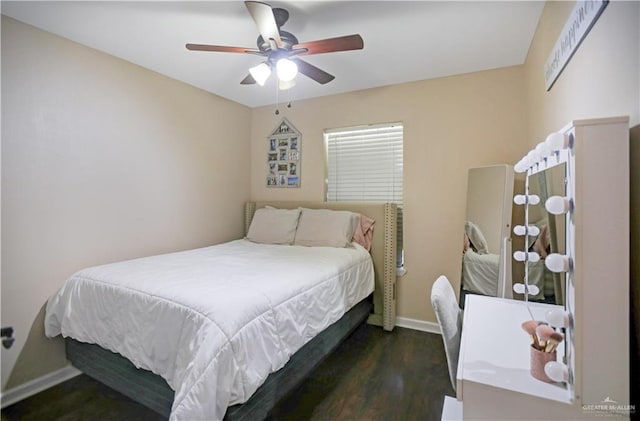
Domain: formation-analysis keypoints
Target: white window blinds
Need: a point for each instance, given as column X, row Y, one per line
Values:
column 365, row 164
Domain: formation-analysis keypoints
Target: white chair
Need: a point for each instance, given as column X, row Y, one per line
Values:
column 449, row 315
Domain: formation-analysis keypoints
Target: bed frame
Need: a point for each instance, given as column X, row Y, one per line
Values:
column 153, row 391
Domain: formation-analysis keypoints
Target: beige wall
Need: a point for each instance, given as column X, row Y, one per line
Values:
column 601, row 80
column 450, row 125
column 102, row 160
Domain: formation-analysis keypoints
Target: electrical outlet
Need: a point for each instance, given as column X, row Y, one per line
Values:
column 6, row 332
column 7, row 336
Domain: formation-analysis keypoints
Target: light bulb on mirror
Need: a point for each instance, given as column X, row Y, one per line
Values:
column 558, row 263
column 521, row 199
column 532, row 159
column 558, row 205
column 530, row 256
column 537, row 156
column 522, row 230
column 521, row 166
column 522, row 288
column 558, row 372
column 557, row 141
column 558, row 317
column 518, row 288
column 543, row 149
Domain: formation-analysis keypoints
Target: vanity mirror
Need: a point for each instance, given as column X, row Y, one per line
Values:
column 550, row 237
column 588, row 161
column 486, row 258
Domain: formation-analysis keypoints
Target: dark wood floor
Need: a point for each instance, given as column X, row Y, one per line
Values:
column 373, row 375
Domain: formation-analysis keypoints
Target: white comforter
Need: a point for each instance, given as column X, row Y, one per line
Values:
column 215, row 321
column 480, row 272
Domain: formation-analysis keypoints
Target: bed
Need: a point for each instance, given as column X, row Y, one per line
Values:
column 194, row 350
column 480, row 268
column 480, row 272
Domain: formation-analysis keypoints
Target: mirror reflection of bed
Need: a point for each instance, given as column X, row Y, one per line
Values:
column 486, row 263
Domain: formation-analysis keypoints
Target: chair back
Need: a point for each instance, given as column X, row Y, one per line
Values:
column 449, row 315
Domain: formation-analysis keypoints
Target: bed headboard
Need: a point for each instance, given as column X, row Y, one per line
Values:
column 383, row 248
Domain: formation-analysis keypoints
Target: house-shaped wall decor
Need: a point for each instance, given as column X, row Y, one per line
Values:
column 284, row 156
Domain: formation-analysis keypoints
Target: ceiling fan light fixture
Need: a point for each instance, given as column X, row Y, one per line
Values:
column 260, row 73
column 276, row 45
column 283, row 86
column 287, row 70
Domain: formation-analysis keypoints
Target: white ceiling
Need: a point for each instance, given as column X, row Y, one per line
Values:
column 403, row 41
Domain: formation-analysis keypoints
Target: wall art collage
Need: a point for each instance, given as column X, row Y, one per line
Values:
column 283, row 156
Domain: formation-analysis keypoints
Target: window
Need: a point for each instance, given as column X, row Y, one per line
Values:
column 365, row 164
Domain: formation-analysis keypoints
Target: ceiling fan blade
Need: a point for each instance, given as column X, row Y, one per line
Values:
column 221, row 48
column 330, row 45
column 262, row 15
column 313, row 72
column 249, row 80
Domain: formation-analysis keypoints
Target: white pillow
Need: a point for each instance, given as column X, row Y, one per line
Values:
column 476, row 237
column 326, row 228
column 273, row 226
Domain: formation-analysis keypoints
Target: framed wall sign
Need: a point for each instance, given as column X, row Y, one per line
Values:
column 284, row 156
column 582, row 18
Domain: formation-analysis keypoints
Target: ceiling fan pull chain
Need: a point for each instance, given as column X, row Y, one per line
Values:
column 277, row 98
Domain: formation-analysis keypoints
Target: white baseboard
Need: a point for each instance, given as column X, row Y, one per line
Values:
column 418, row 325
column 34, row 386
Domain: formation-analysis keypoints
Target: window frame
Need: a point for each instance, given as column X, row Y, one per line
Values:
column 329, row 136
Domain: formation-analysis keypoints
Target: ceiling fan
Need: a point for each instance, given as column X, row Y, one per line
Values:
column 282, row 49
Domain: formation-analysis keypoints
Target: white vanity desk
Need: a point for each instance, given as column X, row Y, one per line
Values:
column 493, row 373
column 493, row 378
